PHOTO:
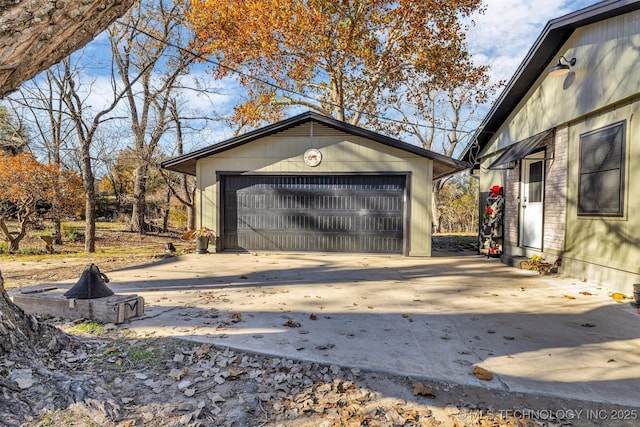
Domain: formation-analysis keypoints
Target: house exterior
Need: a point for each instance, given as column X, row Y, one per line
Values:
column 312, row 183
column 566, row 148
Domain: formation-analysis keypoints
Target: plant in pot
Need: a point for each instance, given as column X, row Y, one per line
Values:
column 539, row 264
column 202, row 237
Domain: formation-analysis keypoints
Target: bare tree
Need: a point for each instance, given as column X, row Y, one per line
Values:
column 181, row 185
column 143, row 44
column 439, row 117
column 66, row 79
column 13, row 134
column 41, row 105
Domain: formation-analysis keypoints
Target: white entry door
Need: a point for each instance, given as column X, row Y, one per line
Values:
column 531, row 200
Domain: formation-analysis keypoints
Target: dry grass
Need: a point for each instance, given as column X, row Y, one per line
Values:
column 115, row 248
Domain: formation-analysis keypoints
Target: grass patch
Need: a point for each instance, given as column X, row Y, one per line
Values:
column 122, row 354
column 144, row 354
column 47, row 419
column 90, row 328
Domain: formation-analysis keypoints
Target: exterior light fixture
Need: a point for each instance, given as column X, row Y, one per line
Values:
column 561, row 69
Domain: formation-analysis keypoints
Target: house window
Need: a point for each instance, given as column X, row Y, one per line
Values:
column 601, row 187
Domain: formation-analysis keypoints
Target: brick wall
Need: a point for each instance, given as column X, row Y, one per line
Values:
column 511, row 206
column 555, row 197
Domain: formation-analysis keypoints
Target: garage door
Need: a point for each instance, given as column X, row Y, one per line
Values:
column 359, row 213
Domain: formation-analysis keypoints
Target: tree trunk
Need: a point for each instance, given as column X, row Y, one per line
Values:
column 191, row 217
column 139, row 201
column 165, row 212
column 36, row 348
column 57, row 231
column 34, row 35
column 90, row 203
column 23, row 335
column 14, row 241
column 435, row 207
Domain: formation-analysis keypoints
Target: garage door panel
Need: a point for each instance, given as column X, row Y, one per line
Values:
column 314, row 213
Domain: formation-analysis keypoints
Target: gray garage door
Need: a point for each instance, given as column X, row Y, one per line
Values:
column 359, row 213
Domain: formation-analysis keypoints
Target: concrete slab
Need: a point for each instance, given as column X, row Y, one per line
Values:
column 427, row 317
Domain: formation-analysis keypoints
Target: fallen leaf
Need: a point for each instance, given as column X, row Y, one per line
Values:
column 482, row 374
column 618, row 296
column 184, row 384
column 405, row 316
column 236, row 317
column 291, row 324
column 243, row 277
column 569, row 297
column 178, row 374
column 325, row 347
column 110, row 350
column 585, row 293
column 313, row 317
column 202, row 350
column 611, row 360
column 422, row 390
column 370, row 307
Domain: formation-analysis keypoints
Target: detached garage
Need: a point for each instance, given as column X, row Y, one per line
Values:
column 312, row 183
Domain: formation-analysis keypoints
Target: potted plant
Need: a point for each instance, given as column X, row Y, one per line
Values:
column 537, row 263
column 202, row 236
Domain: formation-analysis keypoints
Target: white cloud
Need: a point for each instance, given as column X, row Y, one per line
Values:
column 502, row 36
column 208, row 95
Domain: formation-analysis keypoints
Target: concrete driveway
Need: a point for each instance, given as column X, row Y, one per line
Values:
column 433, row 318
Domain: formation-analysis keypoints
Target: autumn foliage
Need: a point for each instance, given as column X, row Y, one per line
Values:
column 345, row 59
column 30, row 189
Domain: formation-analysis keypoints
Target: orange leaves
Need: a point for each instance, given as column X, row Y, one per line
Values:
column 26, row 182
column 341, row 54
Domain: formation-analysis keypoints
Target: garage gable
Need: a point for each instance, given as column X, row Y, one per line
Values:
column 314, row 125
